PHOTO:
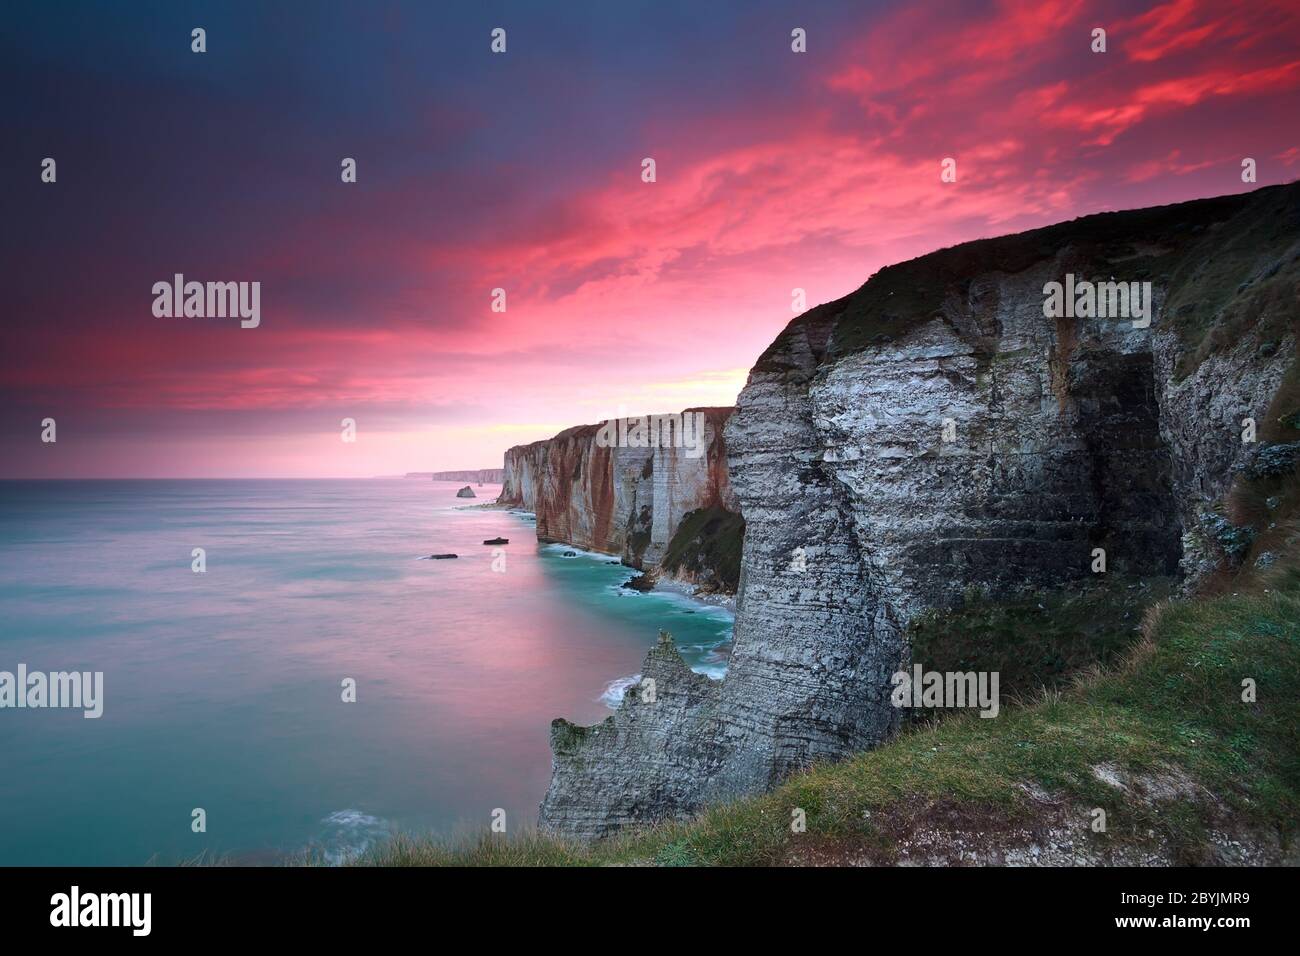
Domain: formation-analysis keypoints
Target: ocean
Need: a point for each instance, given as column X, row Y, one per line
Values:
column 223, row 690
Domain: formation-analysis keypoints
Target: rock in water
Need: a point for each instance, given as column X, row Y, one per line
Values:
column 497, row 541
column 640, row 582
column 466, row 492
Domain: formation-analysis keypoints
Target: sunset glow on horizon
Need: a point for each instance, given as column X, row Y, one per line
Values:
column 774, row 171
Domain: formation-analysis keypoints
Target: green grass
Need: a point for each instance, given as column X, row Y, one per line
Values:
column 1240, row 276
column 1176, row 707
column 1041, row 639
column 1173, row 706
column 708, row 543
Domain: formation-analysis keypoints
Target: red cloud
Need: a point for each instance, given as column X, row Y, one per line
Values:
column 627, row 281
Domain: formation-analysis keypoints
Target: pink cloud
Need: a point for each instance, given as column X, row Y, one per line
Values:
column 627, row 293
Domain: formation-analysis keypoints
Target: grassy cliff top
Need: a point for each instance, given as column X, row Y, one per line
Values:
column 1225, row 264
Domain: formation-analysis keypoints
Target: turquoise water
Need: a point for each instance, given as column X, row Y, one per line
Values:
column 222, row 690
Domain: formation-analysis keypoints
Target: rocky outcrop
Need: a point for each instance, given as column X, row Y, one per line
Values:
column 1203, row 417
column 934, row 432
column 623, row 499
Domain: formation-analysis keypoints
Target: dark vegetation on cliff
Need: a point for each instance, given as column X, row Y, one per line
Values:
column 1196, row 252
column 706, row 549
column 1039, row 640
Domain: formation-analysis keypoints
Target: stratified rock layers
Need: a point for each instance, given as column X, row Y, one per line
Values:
column 627, row 501
column 931, row 433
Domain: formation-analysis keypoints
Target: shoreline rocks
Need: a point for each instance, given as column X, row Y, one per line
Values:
column 640, row 582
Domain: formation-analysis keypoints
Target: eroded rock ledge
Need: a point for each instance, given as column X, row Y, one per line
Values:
column 1070, row 435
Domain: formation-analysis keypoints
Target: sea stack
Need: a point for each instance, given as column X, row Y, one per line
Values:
column 466, row 492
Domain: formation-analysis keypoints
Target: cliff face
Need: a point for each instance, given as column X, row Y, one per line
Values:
column 491, row 476
column 934, row 432
column 621, row 500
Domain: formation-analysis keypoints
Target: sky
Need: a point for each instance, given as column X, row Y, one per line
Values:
column 523, row 171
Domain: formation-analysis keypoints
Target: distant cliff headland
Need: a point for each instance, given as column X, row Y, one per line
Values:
column 487, row 476
column 943, row 469
column 658, row 499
